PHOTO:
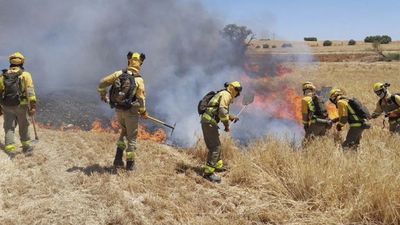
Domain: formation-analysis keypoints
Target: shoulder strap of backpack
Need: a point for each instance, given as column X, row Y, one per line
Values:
column 393, row 98
column 218, row 101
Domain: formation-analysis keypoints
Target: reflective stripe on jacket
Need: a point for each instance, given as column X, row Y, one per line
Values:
column 218, row 108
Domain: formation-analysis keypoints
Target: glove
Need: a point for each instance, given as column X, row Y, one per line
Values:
column 144, row 115
column 339, row 127
column 105, row 99
column 375, row 115
column 32, row 109
column 392, row 114
column 226, row 124
column 233, row 118
column 329, row 123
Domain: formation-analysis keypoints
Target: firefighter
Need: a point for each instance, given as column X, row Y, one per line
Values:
column 351, row 112
column 314, row 114
column 127, row 96
column 18, row 102
column 389, row 104
column 217, row 110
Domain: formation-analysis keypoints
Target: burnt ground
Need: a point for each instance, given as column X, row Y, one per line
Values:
column 76, row 107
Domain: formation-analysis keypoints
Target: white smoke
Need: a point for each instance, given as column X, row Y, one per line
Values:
column 71, row 45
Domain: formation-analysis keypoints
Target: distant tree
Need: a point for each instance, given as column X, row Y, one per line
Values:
column 327, row 43
column 377, row 47
column 273, row 46
column 310, row 39
column 352, row 42
column 385, row 39
column 237, row 34
column 265, row 46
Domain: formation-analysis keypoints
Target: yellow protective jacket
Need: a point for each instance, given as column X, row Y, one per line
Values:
column 28, row 91
column 307, row 110
column 388, row 106
column 218, row 108
column 347, row 114
column 140, row 90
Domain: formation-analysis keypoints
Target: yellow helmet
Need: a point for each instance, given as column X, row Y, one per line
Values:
column 234, row 87
column 16, row 59
column 379, row 86
column 136, row 56
column 135, row 60
column 334, row 93
column 380, row 89
column 308, row 86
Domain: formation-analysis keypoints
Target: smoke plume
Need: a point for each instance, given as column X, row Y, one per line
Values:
column 70, row 45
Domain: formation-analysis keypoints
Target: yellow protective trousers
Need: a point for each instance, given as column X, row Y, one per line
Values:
column 13, row 116
column 128, row 121
column 213, row 143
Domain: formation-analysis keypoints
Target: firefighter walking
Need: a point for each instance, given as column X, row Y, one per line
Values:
column 314, row 114
column 18, row 102
column 217, row 111
column 351, row 112
column 389, row 105
column 127, row 96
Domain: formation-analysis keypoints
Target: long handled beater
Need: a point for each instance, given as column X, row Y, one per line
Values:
column 247, row 100
column 162, row 123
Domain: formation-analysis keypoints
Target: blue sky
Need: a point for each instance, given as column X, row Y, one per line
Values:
column 324, row 19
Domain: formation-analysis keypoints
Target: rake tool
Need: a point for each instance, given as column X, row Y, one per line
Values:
column 162, row 123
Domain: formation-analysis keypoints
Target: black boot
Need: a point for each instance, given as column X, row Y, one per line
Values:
column 212, row 178
column 118, row 163
column 27, row 150
column 130, row 165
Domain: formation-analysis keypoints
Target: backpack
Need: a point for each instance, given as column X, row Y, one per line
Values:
column 320, row 109
column 392, row 98
column 122, row 91
column 203, row 103
column 12, row 88
column 360, row 110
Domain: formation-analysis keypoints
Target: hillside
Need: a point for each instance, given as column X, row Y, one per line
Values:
column 68, row 179
column 340, row 51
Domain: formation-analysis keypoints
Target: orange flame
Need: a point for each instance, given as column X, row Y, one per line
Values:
column 272, row 95
column 332, row 111
column 158, row 136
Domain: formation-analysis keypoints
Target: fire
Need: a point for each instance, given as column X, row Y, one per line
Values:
column 285, row 104
column 332, row 111
column 157, row 136
column 272, row 95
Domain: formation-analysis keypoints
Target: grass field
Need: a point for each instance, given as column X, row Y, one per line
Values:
column 68, row 180
column 316, row 47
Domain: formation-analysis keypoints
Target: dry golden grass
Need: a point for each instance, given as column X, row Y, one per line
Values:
column 68, row 180
column 317, row 47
